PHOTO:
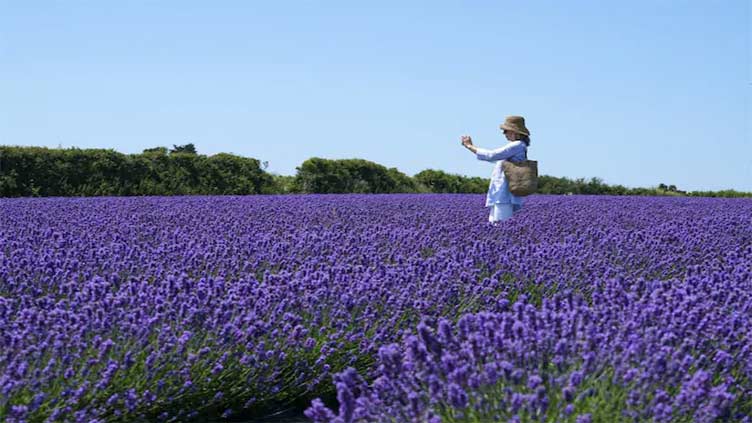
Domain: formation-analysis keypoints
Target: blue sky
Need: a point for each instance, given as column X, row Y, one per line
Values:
column 636, row 93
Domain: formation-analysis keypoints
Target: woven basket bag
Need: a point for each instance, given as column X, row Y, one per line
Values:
column 522, row 176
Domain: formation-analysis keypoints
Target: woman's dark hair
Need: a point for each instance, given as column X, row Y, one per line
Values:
column 524, row 138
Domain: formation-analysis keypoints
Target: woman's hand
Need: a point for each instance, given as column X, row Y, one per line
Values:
column 467, row 142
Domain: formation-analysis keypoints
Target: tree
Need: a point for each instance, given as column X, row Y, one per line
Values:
column 323, row 176
column 187, row 148
column 156, row 150
column 439, row 181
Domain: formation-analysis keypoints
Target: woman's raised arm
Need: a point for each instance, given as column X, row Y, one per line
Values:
column 500, row 153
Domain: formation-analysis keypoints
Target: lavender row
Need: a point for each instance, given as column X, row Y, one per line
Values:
column 663, row 351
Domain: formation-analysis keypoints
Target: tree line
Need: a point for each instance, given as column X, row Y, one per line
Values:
column 43, row 172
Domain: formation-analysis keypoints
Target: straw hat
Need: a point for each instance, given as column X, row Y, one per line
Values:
column 515, row 124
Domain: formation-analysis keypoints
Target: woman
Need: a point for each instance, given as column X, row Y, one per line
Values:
column 503, row 203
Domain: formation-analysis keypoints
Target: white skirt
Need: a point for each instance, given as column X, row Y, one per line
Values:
column 500, row 212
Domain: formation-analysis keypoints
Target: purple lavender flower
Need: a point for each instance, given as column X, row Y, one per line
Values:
column 319, row 413
column 457, row 396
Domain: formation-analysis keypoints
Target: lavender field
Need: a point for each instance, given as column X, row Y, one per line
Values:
column 375, row 308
